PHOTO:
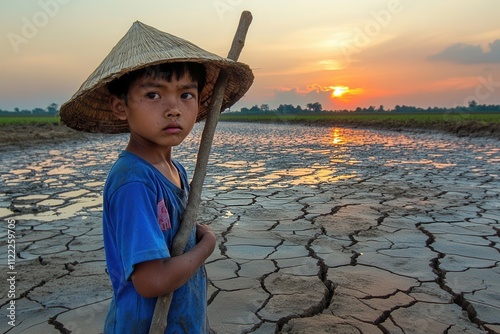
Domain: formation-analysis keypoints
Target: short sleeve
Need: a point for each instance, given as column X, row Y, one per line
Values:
column 138, row 237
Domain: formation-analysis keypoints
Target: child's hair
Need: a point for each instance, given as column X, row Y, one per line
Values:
column 120, row 86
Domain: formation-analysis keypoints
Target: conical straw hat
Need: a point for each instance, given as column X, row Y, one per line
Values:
column 142, row 46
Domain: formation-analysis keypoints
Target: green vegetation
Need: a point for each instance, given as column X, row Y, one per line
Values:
column 332, row 117
column 287, row 109
column 8, row 120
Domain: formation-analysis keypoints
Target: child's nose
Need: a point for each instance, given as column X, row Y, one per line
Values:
column 172, row 109
column 173, row 112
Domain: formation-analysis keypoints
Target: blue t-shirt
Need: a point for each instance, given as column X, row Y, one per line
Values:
column 142, row 211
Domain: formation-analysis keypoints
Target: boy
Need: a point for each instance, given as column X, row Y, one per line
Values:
column 155, row 86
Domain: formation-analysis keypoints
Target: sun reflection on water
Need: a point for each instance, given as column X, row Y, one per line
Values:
column 337, row 136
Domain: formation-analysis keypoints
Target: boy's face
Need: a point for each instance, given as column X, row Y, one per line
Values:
column 159, row 112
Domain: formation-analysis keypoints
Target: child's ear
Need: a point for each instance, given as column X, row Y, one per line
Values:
column 118, row 107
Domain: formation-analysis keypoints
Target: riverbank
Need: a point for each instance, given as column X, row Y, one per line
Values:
column 462, row 125
column 25, row 135
column 22, row 135
column 463, row 129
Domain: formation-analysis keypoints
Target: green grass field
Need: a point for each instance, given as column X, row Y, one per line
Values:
column 402, row 119
column 409, row 119
column 8, row 120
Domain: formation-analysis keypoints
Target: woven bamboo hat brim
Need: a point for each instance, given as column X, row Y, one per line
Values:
column 88, row 110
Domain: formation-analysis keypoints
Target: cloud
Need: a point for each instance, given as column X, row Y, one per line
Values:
column 469, row 54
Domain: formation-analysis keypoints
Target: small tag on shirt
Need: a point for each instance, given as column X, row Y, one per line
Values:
column 163, row 217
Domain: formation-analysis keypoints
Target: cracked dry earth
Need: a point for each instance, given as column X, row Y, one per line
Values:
column 320, row 231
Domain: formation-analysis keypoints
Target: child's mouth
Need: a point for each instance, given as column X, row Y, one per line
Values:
column 172, row 129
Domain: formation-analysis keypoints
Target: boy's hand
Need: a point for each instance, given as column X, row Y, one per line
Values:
column 202, row 231
column 206, row 239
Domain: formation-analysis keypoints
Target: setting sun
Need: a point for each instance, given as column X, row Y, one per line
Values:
column 338, row 91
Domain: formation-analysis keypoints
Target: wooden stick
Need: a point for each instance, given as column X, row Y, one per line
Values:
column 159, row 322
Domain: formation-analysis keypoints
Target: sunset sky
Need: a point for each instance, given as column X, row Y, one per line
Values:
column 343, row 54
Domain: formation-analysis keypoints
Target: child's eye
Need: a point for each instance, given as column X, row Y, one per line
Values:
column 153, row 96
column 187, row 96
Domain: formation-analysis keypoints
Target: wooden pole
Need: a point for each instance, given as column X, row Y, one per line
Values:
column 159, row 322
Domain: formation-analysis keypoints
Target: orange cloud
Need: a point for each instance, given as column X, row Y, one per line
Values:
column 337, row 92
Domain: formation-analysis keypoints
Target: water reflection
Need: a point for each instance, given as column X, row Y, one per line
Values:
column 338, row 137
column 66, row 180
column 424, row 162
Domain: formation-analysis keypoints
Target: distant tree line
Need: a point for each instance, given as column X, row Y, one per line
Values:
column 284, row 109
column 316, row 107
column 51, row 110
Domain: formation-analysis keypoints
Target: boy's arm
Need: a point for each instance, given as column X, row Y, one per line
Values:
column 159, row 277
